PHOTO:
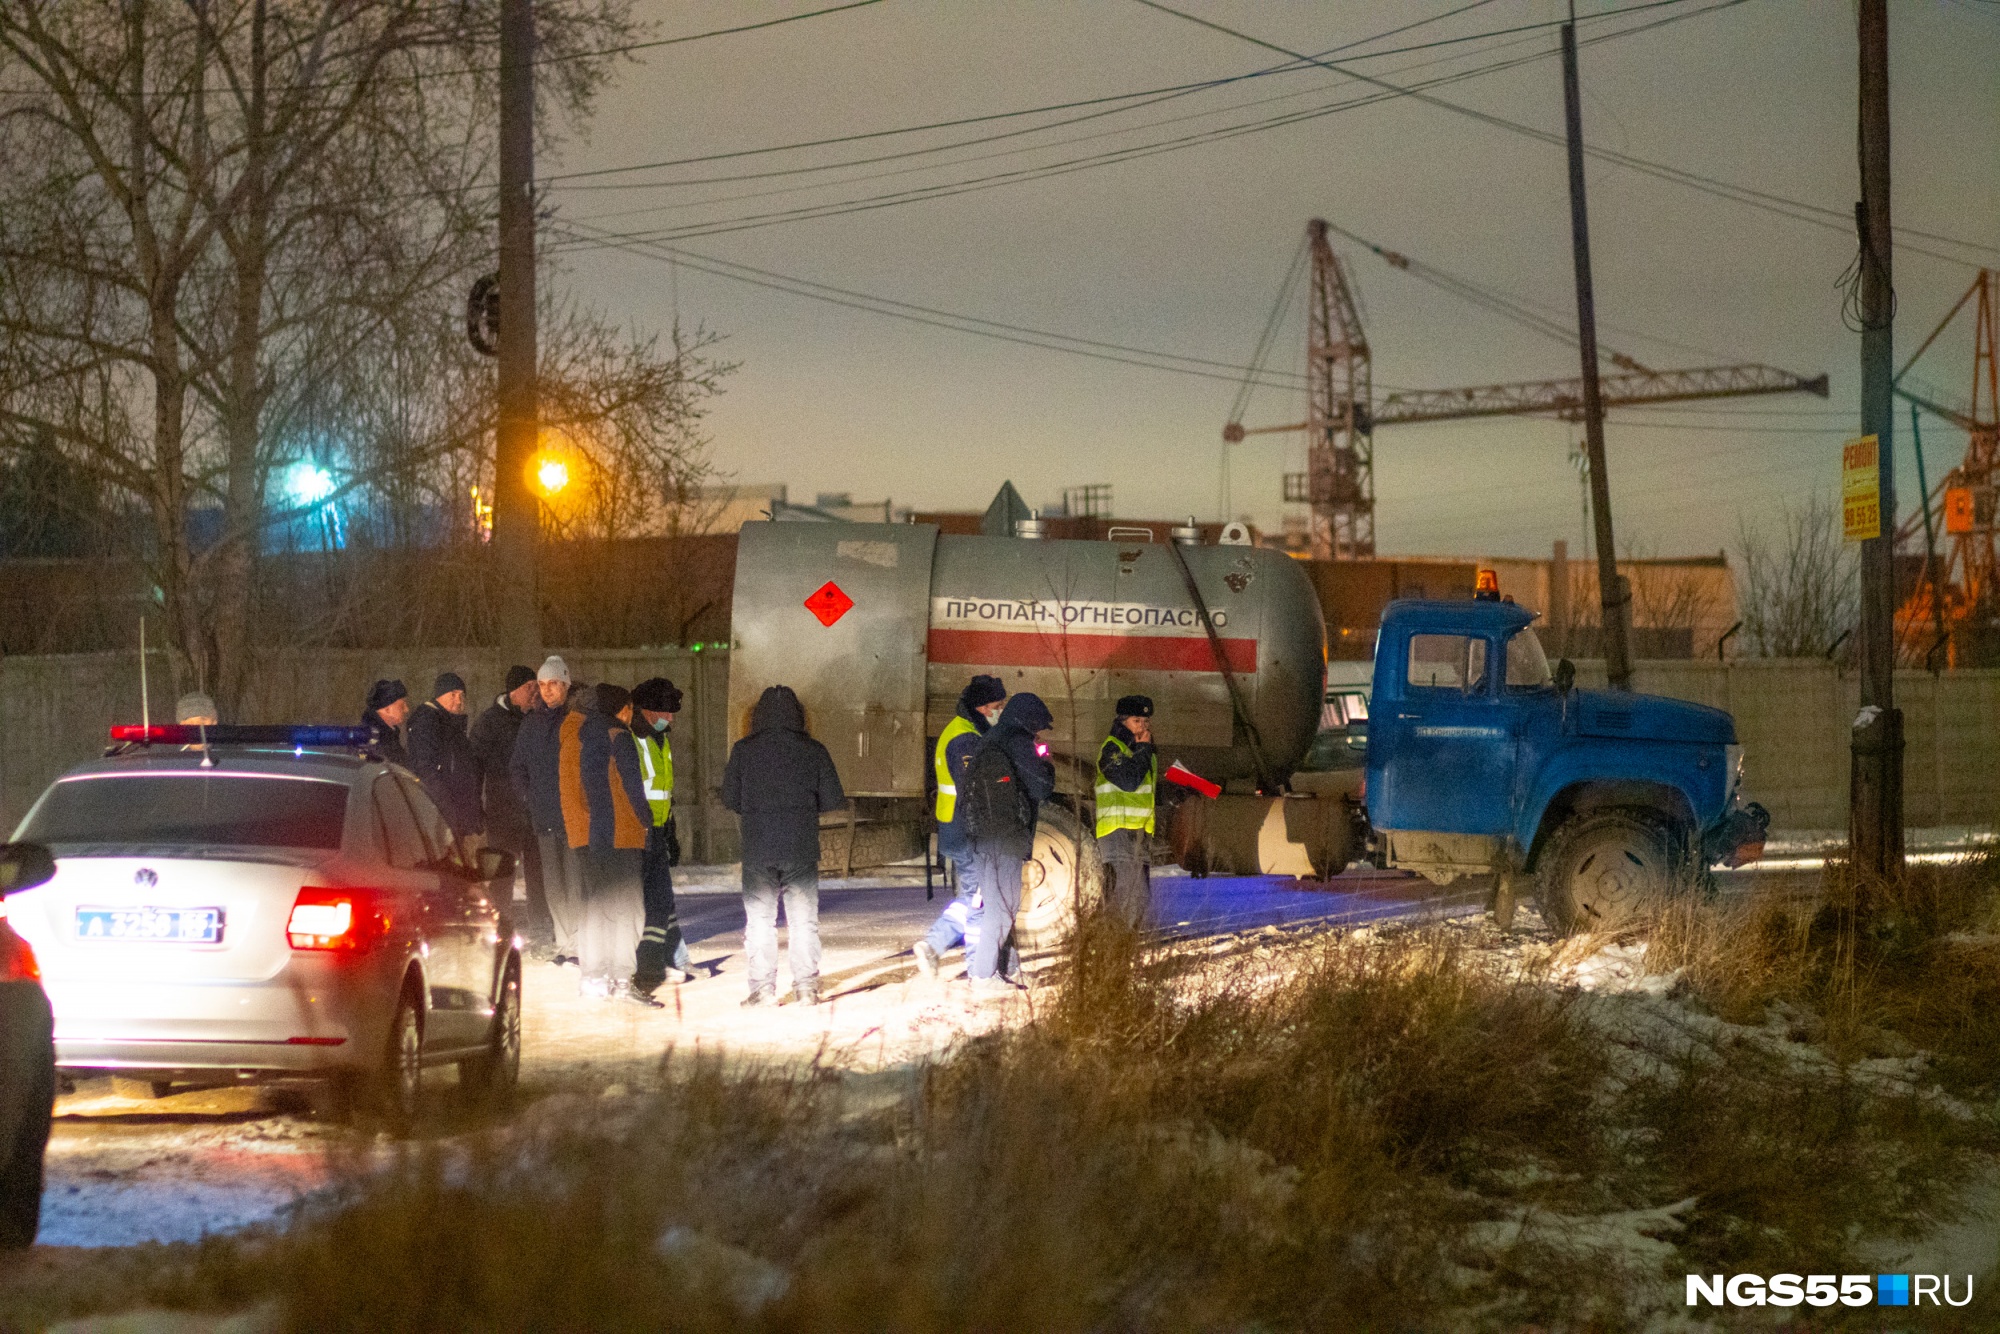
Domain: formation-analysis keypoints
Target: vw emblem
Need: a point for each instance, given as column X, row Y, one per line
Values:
column 145, row 877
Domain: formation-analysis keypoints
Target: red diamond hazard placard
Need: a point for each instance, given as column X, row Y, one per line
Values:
column 829, row 603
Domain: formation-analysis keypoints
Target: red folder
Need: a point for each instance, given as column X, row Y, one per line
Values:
column 1186, row 777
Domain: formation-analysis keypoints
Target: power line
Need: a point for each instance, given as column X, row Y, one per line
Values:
column 1048, row 340
column 1126, row 102
column 558, row 58
column 1798, row 209
column 948, row 189
column 1288, row 66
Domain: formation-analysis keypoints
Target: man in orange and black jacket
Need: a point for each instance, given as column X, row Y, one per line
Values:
column 613, row 854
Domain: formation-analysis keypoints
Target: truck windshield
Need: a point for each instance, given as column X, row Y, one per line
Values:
column 188, row 809
column 1527, row 665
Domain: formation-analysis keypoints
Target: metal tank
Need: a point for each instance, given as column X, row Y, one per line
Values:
column 878, row 627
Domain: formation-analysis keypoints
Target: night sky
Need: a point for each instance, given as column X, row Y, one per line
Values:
column 1183, row 251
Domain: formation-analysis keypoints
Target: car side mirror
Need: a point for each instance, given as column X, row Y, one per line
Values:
column 495, row 864
column 1565, row 676
column 23, row 866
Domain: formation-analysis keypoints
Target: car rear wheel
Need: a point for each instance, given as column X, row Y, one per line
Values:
column 400, row 1081
column 27, row 1096
column 1603, row 870
column 492, row 1075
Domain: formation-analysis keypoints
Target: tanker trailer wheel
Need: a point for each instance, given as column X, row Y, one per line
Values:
column 1063, row 877
column 1604, row 869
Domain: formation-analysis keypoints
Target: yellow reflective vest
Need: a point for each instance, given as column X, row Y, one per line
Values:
column 1117, row 808
column 656, row 768
column 947, row 781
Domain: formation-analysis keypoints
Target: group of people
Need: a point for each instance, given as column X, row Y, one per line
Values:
column 992, row 774
column 577, row 782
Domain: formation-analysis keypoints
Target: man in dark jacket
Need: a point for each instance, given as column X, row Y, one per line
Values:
column 507, row 825
column 388, row 707
column 535, row 770
column 1128, row 772
column 614, row 908
column 979, row 704
column 441, row 757
column 780, row 780
column 1000, row 856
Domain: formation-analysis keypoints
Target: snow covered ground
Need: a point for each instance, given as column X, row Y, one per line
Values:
column 124, row 1170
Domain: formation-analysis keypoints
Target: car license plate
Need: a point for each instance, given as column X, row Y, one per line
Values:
column 171, row 926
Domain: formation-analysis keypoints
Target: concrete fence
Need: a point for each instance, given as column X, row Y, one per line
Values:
column 1792, row 716
column 56, row 711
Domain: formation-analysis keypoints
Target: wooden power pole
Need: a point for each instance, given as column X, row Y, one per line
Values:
column 1613, row 597
column 1875, row 813
column 516, row 515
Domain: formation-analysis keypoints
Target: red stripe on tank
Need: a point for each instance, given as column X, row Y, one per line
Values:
column 1155, row 653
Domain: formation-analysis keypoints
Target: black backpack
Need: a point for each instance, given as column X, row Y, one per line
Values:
column 992, row 802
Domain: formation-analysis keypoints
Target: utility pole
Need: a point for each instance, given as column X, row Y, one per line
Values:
column 1613, row 597
column 1875, row 812
column 516, row 515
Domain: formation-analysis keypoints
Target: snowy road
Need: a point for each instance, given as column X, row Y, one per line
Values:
column 123, row 1170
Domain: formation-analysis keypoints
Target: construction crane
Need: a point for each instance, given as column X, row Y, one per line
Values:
column 1342, row 414
column 1955, row 605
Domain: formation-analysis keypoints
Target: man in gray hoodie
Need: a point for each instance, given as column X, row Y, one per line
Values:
column 780, row 780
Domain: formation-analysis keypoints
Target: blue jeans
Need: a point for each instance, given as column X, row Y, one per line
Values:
column 1000, row 885
column 960, row 918
column 762, row 888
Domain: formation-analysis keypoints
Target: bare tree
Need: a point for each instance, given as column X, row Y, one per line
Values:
column 1800, row 585
column 216, row 218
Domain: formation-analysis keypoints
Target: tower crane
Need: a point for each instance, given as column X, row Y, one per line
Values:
column 1958, row 594
column 1342, row 412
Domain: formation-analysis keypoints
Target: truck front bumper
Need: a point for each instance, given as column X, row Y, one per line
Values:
column 1737, row 839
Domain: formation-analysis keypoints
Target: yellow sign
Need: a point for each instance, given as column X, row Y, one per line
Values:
column 1861, row 489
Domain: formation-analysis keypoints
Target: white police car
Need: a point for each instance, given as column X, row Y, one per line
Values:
column 253, row 902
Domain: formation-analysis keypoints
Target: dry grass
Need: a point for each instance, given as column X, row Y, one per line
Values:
column 1353, row 1132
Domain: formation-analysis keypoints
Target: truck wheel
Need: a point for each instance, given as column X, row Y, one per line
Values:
column 1602, row 869
column 1062, row 877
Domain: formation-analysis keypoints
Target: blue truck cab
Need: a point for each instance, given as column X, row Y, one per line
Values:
column 1484, row 760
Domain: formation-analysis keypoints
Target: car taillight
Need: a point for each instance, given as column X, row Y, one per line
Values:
column 337, row 919
column 17, row 961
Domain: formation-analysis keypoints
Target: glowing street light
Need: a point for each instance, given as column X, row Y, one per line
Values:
column 551, row 474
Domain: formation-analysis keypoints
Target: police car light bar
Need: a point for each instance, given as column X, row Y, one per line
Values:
column 276, row 734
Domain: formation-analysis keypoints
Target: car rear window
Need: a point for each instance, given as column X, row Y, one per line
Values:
column 188, row 809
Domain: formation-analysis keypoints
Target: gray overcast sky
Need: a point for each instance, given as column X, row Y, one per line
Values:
column 1183, row 251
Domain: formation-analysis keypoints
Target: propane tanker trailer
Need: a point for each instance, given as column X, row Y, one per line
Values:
column 878, row 627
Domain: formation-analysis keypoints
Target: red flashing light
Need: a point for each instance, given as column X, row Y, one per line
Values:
column 1486, row 586
column 314, row 1042
column 337, row 919
column 17, row 960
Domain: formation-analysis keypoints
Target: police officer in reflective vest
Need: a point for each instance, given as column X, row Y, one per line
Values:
column 657, row 701
column 1128, row 771
column 978, row 705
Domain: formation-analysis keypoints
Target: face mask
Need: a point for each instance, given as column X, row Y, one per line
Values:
column 661, row 724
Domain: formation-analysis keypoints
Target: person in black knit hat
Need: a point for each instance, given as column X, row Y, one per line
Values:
column 1128, row 772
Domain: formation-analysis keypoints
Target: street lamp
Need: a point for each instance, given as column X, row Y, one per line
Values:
column 551, row 474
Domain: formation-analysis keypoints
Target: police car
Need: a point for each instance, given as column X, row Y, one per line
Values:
column 243, row 903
